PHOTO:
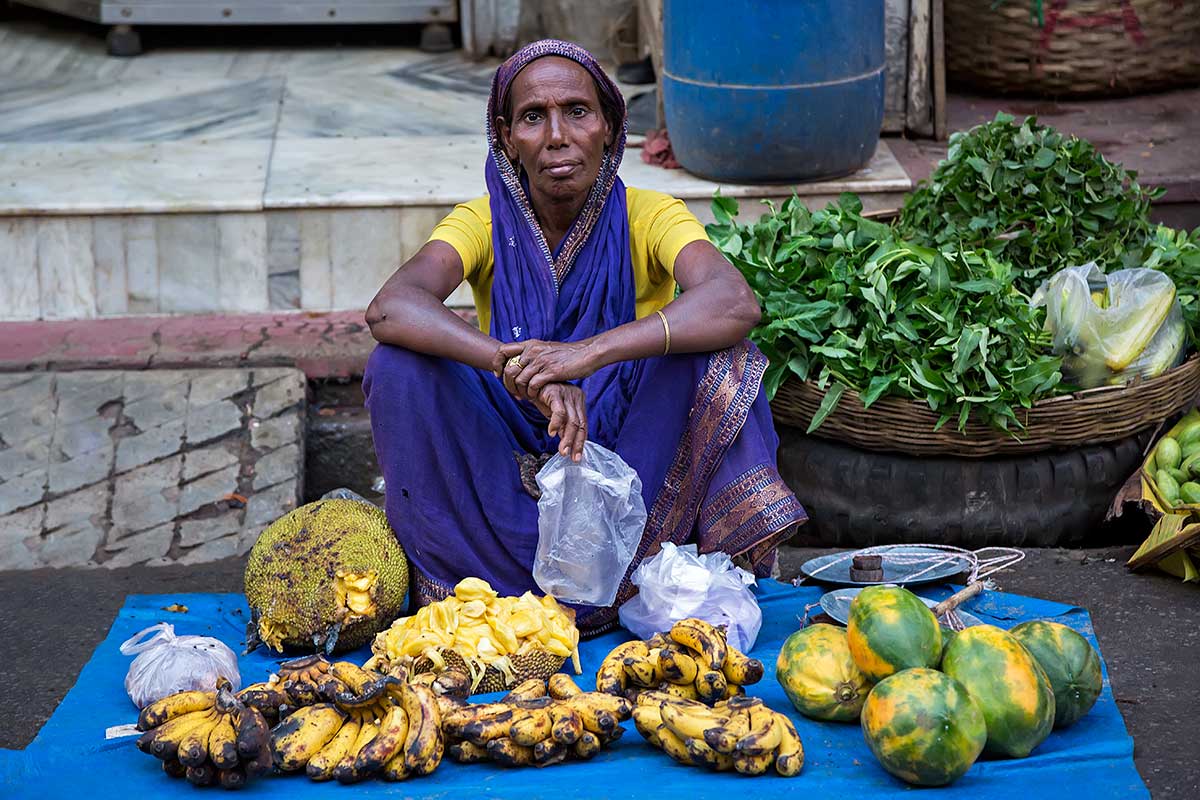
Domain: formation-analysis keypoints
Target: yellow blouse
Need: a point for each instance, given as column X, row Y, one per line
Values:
column 659, row 227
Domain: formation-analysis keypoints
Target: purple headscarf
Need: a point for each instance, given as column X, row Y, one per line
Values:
column 528, row 300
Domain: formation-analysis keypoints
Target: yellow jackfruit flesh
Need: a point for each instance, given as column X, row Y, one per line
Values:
column 499, row 638
column 327, row 576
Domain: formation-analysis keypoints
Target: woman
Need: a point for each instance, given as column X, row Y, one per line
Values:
column 579, row 339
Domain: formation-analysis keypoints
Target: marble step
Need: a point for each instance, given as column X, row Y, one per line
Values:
column 244, row 225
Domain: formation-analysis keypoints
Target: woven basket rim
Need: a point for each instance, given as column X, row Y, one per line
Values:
column 1072, row 419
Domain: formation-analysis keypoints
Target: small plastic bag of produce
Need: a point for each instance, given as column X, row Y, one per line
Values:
column 1113, row 328
column 590, row 519
column 678, row 583
column 167, row 664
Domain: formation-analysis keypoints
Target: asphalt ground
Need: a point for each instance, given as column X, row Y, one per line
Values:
column 1148, row 626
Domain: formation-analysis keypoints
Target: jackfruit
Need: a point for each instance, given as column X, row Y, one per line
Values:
column 497, row 641
column 327, row 576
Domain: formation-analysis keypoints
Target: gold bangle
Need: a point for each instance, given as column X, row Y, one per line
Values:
column 666, row 330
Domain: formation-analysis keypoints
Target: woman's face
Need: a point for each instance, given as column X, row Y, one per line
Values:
column 558, row 129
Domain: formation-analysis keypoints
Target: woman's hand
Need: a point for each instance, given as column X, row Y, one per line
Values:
column 540, row 364
column 564, row 405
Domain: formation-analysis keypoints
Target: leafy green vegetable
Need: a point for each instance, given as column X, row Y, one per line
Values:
column 1033, row 197
column 849, row 305
column 1177, row 253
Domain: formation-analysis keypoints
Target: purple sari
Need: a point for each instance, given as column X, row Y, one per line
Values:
column 696, row 427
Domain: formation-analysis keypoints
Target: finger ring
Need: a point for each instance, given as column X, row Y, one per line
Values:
column 515, row 361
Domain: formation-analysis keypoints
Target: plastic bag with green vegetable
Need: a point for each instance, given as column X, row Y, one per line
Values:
column 1112, row 328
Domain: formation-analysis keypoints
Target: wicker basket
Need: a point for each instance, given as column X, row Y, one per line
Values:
column 1094, row 416
column 1085, row 47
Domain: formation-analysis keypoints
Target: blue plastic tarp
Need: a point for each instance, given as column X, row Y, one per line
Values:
column 1092, row 759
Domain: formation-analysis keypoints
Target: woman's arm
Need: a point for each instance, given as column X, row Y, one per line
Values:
column 715, row 309
column 410, row 310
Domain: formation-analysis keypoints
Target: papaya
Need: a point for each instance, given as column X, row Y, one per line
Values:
column 819, row 675
column 1071, row 664
column 924, row 727
column 1011, row 688
column 890, row 629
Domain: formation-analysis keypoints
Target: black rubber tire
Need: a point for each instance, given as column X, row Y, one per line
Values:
column 857, row 498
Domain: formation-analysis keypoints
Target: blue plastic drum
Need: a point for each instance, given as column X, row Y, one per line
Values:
column 773, row 91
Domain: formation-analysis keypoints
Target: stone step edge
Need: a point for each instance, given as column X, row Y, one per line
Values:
column 326, row 344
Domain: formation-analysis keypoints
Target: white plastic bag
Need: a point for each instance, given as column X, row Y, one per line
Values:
column 590, row 519
column 678, row 583
column 1112, row 328
column 167, row 663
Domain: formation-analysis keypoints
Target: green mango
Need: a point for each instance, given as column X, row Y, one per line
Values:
column 1190, row 493
column 1167, row 486
column 1168, row 453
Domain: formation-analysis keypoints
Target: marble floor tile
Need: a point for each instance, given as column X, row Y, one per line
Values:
column 181, row 62
column 132, row 177
column 342, row 105
column 882, row 174
column 139, row 111
column 417, row 170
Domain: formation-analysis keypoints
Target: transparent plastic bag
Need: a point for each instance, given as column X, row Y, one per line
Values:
column 1113, row 328
column 590, row 519
column 167, row 663
column 678, row 583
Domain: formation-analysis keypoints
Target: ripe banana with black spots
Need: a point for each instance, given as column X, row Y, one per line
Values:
column 690, row 723
column 344, row 771
column 163, row 741
column 764, row 734
column 393, row 730
column 253, row 734
column 561, row 686
column 173, row 706
column 703, row 755
column 710, row 686
column 526, row 690
column 222, row 743
column 508, row 753
column 789, row 758
column 548, row 751
column 193, row 747
column 610, row 677
column 701, row 637
column 566, row 726
column 643, row 670
column 302, row 735
column 467, row 752
column 535, row 726
column 588, row 745
column 424, row 743
column 677, row 665
column 740, row 669
column 320, row 767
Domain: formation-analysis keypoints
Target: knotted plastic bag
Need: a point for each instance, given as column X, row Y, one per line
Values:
column 1112, row 328
column 167, row 664
column 590, row 519
column 678, row 583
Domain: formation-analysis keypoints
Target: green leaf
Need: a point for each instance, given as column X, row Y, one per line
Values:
column 1044, row 158
column 828, row 403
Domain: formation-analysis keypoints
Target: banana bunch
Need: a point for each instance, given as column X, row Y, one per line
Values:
column 739, row 733
column 207, row 737
column 499, row 641
column 538, row 723
column 692, row 661
column 374, row 725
